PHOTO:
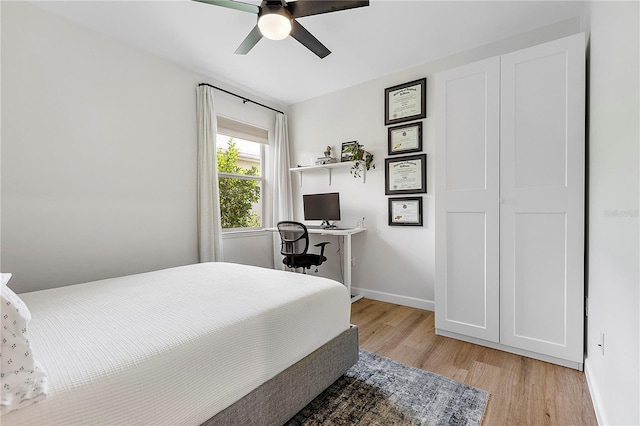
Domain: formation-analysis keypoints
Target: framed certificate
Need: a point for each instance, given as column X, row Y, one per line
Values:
column 405, row 211
column 406, row 175
column 405, row 102
column 405, row 138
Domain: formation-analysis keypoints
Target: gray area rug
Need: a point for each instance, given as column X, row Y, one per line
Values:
column 380, row 391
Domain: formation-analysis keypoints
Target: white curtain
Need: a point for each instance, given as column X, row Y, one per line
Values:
column 282, row 196
column 209, row 223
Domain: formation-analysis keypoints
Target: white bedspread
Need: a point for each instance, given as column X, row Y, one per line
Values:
column 174, row 346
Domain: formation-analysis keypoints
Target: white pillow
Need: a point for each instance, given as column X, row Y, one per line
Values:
column 23, row 381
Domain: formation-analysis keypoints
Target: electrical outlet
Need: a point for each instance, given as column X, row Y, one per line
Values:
column 353, row 261
column 601, row 344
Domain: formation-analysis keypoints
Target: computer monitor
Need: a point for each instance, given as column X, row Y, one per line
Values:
column 324, row 207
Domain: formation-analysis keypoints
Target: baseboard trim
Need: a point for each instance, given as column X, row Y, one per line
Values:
column 596, row 400
column 413, row 302
column 547, row 358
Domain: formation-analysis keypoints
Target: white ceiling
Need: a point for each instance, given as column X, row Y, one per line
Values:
column 366, row 43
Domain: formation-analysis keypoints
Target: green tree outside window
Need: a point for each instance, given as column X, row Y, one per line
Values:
column 238, row 196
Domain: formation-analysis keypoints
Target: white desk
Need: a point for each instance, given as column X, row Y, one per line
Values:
column 346, row 233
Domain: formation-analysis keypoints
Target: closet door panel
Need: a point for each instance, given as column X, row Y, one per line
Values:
column 466, row 270
column 467, row 187
column 465, row 144
column 538, row 134
column 542, row 193
column 539, row 296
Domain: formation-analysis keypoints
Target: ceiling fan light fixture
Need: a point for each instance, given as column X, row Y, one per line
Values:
column 274, row 26
column 277, row 19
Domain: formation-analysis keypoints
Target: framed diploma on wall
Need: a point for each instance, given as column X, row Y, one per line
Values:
column 405, row 175
column 405, row 102
column 405, row 211
column 405, row 138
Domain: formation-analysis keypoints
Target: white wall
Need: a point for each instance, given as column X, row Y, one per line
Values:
column 394, row 264
column 98, row 154
column 613, row 254
column 249, row 248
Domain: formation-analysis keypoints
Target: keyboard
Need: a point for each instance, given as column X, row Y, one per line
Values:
column 335, row 228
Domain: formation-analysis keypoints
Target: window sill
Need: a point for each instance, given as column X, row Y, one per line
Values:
column 245, row 232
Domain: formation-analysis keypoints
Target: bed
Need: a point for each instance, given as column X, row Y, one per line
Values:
column 211, row 343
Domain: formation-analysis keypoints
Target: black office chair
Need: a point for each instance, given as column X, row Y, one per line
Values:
column 294, row 242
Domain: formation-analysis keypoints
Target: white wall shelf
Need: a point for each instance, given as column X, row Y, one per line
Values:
column 327, row 167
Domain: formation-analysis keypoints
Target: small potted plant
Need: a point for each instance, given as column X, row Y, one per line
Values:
column 361, row 159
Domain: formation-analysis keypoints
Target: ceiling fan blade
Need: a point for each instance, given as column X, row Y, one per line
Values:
column 244, row 7
column 301, row 34
column 302, row 8
column 251, row 40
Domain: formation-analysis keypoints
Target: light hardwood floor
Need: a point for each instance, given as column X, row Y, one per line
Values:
column 523, row 391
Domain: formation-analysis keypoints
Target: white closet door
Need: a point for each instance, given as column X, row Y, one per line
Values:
column 467, row 179
column 542, row 198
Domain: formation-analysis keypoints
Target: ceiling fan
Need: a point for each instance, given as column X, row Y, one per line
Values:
column 277, row 20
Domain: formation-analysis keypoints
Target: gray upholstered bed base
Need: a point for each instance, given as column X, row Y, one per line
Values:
column 279, row 399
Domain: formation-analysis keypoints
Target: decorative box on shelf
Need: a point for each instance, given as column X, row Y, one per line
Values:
column 325, row 160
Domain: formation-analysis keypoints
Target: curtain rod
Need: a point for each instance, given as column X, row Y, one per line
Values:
column 244, row 100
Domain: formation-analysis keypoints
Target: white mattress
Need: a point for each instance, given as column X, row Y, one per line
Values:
column 174, row 346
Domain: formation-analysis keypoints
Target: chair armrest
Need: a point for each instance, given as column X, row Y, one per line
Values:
column 321, row 245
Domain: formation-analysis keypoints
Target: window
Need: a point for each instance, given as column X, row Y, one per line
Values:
column 240, row 153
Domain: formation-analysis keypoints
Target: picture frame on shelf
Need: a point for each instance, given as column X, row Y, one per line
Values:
column 346, row 154
column 405, row 138
column 405, row 175
column 405, row 211
column 405, row 102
